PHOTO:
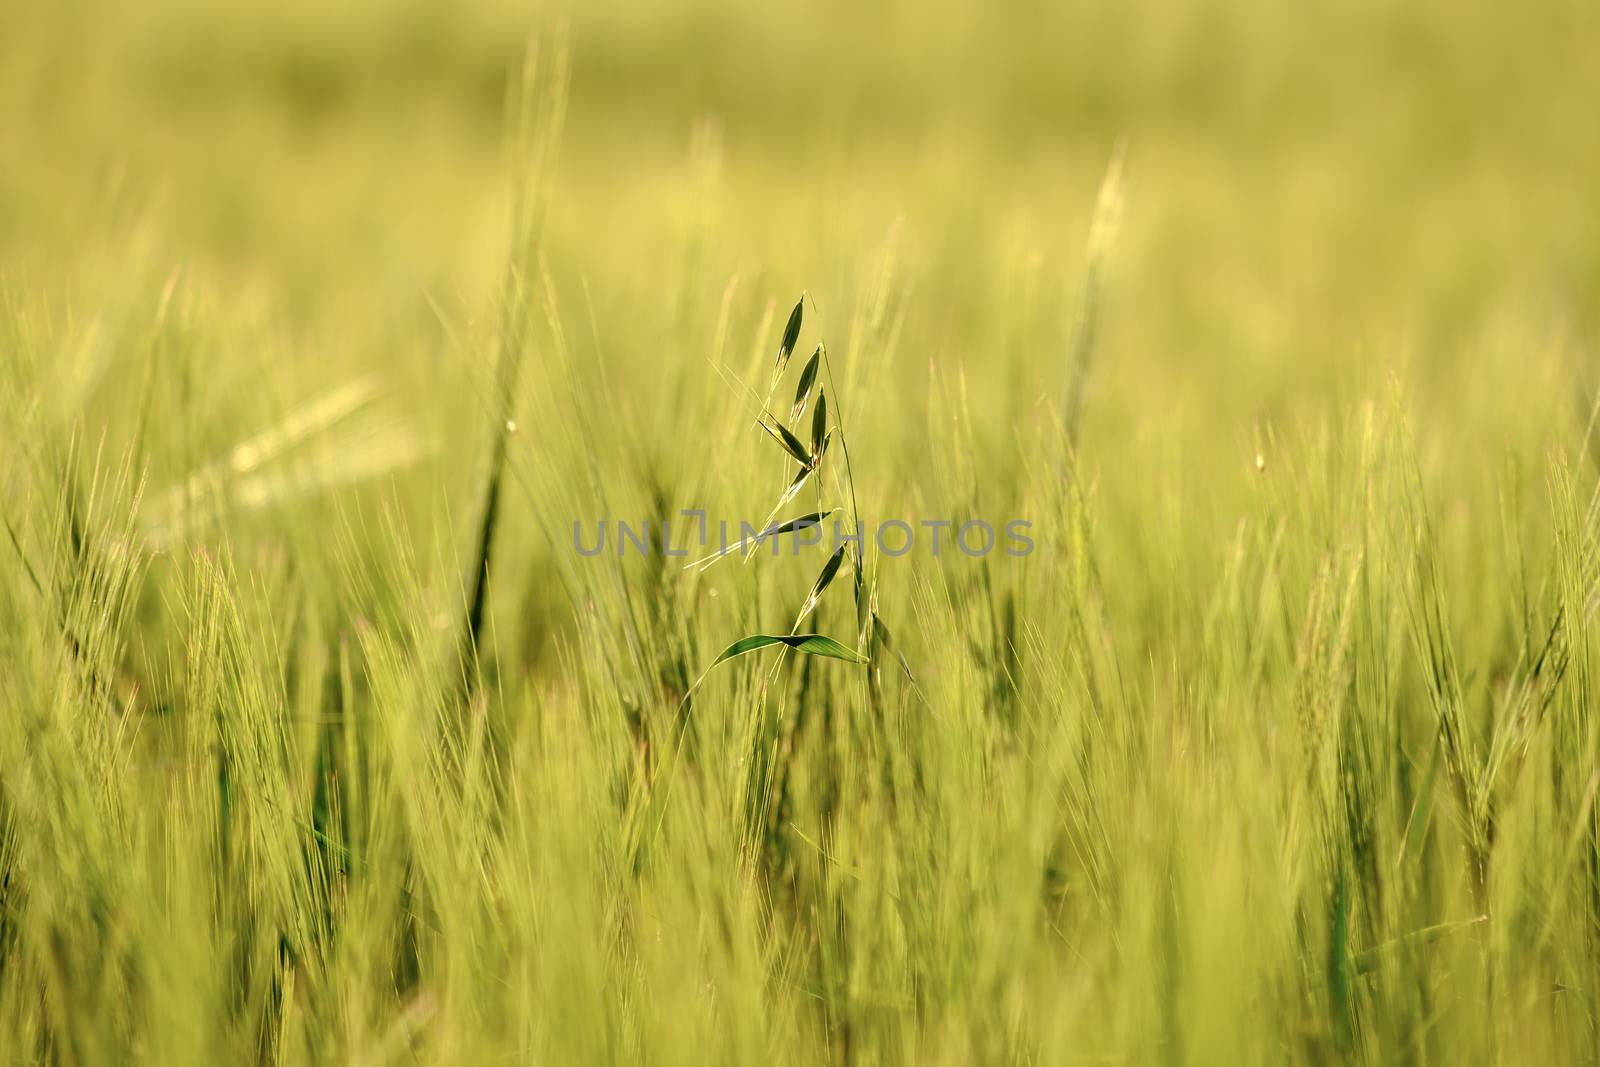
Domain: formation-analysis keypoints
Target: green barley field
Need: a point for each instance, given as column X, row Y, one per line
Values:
column 379, row 682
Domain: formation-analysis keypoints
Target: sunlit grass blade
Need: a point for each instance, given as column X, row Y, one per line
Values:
column 1086, row 330
column 1369, row 960
column 299, row 457
column 254, row 452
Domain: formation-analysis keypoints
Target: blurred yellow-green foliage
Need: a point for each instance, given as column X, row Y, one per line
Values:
column 1308, row 181
column 1316, row 192
column 1318, row 195
column 1124, row 826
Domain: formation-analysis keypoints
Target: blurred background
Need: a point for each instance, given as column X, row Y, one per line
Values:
column 1301, row 177
column 1317, row 196
column 254, row 258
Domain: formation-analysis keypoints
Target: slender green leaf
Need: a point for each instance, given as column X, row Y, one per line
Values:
column 810, row 644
